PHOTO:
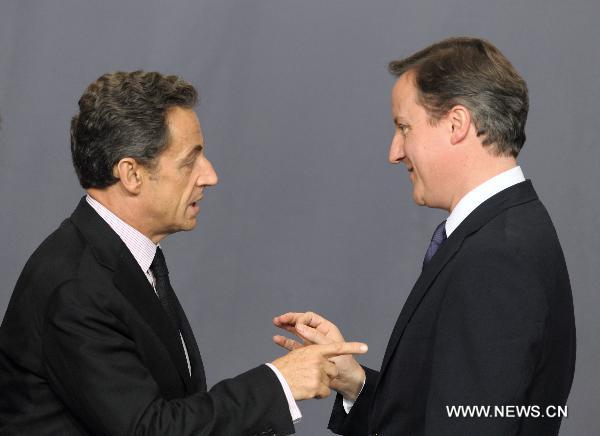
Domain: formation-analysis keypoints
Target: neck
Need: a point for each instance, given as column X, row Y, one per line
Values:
column 125, row 206
column 479, row 171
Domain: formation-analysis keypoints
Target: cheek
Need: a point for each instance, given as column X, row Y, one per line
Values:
column 185, row 193
column 428, row 160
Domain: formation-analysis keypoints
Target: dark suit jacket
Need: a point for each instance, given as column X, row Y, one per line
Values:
column 86, row 349
column 489, row 322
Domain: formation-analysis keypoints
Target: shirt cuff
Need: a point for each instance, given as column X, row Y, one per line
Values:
column 294, row 410
column 349, row 403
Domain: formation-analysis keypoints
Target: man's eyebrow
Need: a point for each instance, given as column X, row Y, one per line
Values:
column 398, row 121
column 196, row 150
column 193, row 153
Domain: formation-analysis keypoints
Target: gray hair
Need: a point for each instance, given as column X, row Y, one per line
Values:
column 123, row 114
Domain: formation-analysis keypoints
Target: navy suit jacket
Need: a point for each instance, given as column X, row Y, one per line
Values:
column 86, row 349
column 489, row 322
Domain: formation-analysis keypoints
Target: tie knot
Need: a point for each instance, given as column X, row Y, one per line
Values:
column 159, row 265
column 439, row 235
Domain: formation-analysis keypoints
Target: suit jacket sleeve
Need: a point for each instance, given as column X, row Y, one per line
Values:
column 354, row 423
column 487, row 344
column 92, row 365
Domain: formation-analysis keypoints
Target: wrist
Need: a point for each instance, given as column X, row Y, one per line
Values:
column 354, row 384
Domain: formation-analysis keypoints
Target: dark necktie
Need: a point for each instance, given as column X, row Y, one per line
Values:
column 439, row 236
column 165, row 292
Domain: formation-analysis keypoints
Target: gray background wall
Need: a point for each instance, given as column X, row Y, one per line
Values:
column 295, row 109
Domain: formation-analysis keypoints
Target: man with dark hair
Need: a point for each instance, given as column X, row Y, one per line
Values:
column 489, row 323
column 94, row 340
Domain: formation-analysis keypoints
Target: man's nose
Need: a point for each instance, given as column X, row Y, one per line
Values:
column 209, row 176
column 396, row 153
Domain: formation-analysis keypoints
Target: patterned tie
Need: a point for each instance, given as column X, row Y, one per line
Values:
column 439, row 236
column 165, row 292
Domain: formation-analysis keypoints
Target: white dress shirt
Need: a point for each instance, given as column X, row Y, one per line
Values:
column 477, row 196
column 468, row 204
column 143, row 250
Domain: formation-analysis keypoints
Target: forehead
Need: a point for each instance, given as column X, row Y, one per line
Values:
column 184, row 130
column 404, row 93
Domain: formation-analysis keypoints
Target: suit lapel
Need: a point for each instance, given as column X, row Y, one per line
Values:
column 134, row 286
column 428, row 275
column 129, row 279
column 517, row 194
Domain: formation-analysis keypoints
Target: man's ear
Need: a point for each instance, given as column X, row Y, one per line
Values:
column 130, row 175
column 459, row 119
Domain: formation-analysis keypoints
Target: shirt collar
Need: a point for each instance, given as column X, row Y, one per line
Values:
column 140, row 246
column 487, row 189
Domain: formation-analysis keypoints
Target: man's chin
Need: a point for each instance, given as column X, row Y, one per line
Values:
column 419, row 199
column 190, row 225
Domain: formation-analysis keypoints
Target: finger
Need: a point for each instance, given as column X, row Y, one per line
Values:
column 293, row 331
column 290, row 321
column 287, row 343
column 312, row 335
column 310, row 319
column 340, row 348
column 293, row 318
column 286, row 319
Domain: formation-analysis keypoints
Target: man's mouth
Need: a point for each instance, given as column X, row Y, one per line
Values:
column 195, row 202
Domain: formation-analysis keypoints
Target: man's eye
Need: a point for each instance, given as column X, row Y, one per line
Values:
column 187, row 165
column 403, row 129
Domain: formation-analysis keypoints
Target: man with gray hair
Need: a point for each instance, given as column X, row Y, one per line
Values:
column 485, row 342
column 94, row 340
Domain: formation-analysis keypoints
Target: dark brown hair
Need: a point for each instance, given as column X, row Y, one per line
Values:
column 473, row 73
column 123, row 114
